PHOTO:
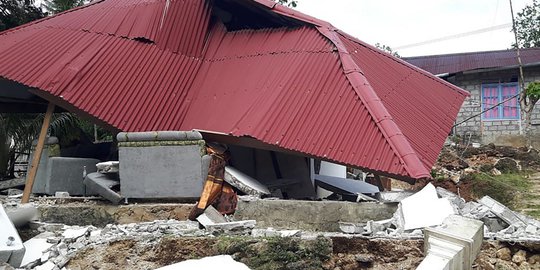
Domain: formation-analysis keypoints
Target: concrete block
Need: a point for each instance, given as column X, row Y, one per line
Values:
column 103, row 185
column 66, row 174
column 161, row 171
column 458, row 239
column 51, row 149
column 211, row 216
column 11, row 246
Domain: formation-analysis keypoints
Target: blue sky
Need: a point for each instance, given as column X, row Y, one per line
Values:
column 399, row 23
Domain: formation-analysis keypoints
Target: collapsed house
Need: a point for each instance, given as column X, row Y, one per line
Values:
column 289, row 95
column 247, row 73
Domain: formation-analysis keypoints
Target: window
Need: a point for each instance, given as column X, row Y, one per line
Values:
column 493, row 94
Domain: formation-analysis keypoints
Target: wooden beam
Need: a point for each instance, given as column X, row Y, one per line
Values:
column 37, row 154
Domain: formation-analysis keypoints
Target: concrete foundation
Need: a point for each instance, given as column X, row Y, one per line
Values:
column 310, row 215
column 162, row 164
column 101, row 215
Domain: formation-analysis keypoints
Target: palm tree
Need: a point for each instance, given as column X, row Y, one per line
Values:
column 57, row 6
column 17, row 131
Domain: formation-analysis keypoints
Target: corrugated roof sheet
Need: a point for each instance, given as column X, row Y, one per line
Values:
column 311, row 90
column 454, row 63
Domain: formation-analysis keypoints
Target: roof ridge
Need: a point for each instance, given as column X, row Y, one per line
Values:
column 384, row 121
column 470, row 53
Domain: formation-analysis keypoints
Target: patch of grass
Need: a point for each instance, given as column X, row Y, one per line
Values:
column 276, row 252
column 533, row 213
column 502, row 188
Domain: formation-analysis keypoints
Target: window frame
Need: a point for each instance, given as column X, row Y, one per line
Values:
column 500, row 107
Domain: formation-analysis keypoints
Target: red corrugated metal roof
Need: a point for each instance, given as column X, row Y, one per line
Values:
column 310, row 89
column 454, row 63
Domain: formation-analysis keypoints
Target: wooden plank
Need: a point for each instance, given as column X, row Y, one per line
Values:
column 37, row 154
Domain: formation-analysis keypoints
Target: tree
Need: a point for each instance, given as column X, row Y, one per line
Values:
column 289, row 3
column 16, row 12
column 387, row 49
column 527, row 34
column 528, row 26
column 57, row 6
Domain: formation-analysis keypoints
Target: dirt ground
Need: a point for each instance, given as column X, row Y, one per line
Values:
column 338, row 253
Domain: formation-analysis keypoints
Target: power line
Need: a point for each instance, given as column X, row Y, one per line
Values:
column 485, row 110
column 475, row 32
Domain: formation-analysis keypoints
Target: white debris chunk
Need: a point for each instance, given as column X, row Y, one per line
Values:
column 46, row 266
column 208, row 263
column 424, row 209
column 74, row 233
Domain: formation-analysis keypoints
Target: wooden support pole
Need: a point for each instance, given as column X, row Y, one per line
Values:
column 37, row 154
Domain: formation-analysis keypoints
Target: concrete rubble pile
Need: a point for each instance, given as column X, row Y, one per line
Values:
column 57, row 243
column 430, row 206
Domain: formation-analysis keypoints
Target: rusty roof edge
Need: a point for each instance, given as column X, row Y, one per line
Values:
column 391, row 131
column 405, row 63
column 469, row 53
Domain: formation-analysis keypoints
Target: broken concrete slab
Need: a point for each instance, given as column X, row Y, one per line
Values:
column 393, row 196
column 104, row 185
column 108, row 167
column 503, row 212
column 424, row 209
column 35, row 248
column 11, row 246
column 244, row 182
column 211, row 216
column 232, row 227
column 271, row 232
column 13, row 183
column 208, row 263
column 74, row 233
column 344, row 186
